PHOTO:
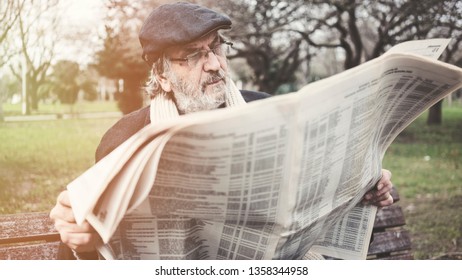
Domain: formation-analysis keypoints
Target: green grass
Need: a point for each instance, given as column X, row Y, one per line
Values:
column 426, row 162
column 38, row 159
column 428, row 159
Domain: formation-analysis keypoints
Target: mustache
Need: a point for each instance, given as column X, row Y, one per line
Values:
column 213, row 78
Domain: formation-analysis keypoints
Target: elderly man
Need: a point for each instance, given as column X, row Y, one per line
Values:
column 189, row 73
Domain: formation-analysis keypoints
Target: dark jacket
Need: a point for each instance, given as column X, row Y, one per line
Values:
column 116, row 135
column 133, row 122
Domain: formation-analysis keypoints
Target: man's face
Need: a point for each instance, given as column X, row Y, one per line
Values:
column 200, row 82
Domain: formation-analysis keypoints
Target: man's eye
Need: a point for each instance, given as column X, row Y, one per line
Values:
column 194, row 55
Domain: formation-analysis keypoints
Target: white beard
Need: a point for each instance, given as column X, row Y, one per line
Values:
column 190, row 99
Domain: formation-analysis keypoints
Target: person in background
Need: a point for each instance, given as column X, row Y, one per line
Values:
column 189, row 73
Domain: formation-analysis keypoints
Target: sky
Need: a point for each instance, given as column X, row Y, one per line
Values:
column 86, row 12
column 84, row 17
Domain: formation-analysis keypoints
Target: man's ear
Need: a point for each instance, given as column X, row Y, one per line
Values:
column 164, row 83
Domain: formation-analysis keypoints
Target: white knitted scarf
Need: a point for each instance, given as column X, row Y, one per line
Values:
column 164, row 108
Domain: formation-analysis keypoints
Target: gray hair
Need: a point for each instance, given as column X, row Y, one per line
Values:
column 159, row 67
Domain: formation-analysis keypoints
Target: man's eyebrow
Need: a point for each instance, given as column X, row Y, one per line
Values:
column 189, row 49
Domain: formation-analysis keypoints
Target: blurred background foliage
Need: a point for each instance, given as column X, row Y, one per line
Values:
column 279, row 46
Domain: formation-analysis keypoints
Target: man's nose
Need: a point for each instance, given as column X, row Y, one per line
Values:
column 212, row 63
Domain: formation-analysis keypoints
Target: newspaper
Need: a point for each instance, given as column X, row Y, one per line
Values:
column 279, row 178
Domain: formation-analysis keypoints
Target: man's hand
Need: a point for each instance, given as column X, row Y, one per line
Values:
column 380, row 196
column 82, row 238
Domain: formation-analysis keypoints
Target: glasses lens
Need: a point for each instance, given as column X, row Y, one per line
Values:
column 220, row 49
column 194, row 58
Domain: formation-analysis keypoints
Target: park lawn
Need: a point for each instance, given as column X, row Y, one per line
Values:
column 426, row 163
column 428, row 159
column 38, row 159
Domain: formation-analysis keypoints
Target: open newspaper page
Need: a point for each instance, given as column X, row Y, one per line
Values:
column 404, row 98
column 120, row 180
column 266, row 180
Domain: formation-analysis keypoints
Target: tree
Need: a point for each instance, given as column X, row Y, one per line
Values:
column 365, row 29
column 120, row 57
column 449, row 26
column 277, row 38
column 64, row 81
column 10, row 11
column 8, row 86
column 35, row 36
column 88, row 83
column 262, row 36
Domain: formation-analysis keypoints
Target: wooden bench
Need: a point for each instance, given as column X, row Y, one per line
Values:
column 29, row 236
column 32, row 236
column 390, row 240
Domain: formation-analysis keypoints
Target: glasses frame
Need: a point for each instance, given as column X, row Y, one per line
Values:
column 202, row 55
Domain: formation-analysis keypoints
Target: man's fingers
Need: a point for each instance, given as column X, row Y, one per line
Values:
column 385, row 187
column 384, row 200
column 62, row 225
column 60, row 212
column 80, row 238
column 80, row 242
column 63, row 198
column 386, row 174
column 374, row 195
column 380, row 201
column 62, row 209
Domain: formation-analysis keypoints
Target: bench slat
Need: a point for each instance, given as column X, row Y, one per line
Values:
column 32, row 238
column 390, row 241
column 407, row 255
column 387, row 217
column 17, row 226
column 44, row 251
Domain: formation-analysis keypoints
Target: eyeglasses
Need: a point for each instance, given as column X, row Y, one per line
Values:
column 221, row 49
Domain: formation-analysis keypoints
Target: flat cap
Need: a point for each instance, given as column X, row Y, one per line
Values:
column 177, row 24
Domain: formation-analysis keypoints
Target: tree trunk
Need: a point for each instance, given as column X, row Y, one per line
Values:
column 131, row 98
column 435, row 114
column 32, row 96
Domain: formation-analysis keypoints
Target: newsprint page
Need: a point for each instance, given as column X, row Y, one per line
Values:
column 279, row 178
